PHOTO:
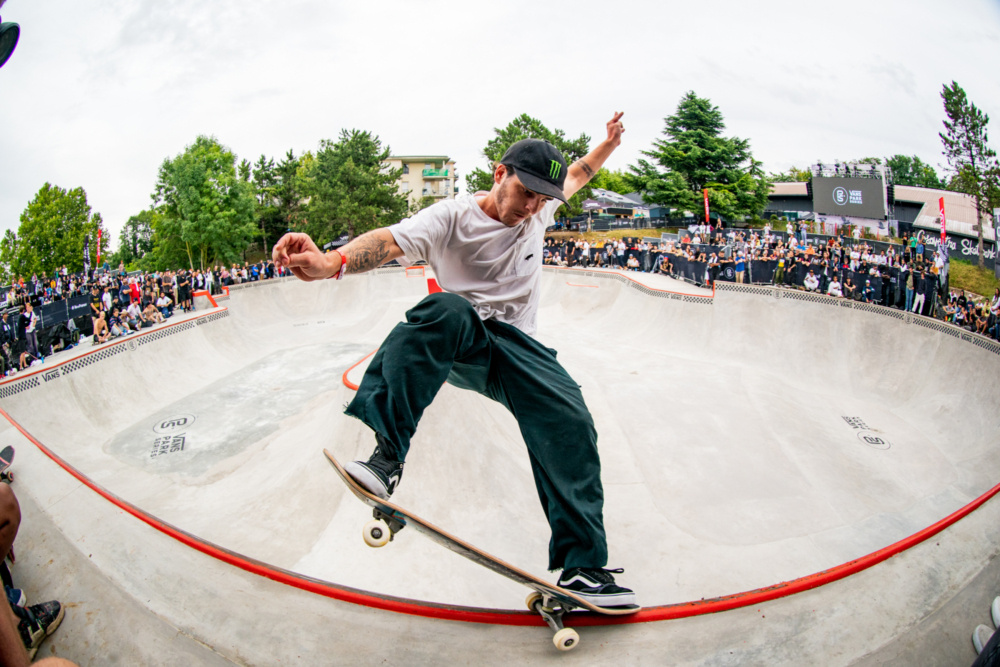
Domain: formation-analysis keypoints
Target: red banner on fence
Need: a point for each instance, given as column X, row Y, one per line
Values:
column 944, row 228
column 99, row 246
column 705, row 190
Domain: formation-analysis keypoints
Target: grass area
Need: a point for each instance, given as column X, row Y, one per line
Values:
column 968, row 276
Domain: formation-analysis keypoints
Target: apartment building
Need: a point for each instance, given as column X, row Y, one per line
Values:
column 426, row 176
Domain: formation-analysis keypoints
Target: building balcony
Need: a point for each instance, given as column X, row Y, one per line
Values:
column 437, row 173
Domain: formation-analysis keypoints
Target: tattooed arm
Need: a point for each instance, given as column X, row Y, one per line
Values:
column 581, row 171
column 368, row 251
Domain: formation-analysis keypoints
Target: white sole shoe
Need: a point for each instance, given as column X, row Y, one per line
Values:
column 367, row 479
column 980, row 637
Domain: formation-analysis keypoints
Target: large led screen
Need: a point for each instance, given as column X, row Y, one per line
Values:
column 860, row 197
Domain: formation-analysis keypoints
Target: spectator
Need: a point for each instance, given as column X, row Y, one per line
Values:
column 995, row 313
column 106, row 299
column 834, row 288
column 134, row 315
column 165, row 306
column 849, row 288
column 740, row 267
column 101, row 332
column 920, row 287
column 811, row 282
column 30, row 326
column 23, row 628
column 151, row 315
column 867, row 292
column 909, row 290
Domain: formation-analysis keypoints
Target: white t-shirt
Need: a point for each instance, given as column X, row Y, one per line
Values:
column 496, row 268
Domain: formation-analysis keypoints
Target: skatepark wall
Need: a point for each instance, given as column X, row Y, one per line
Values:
column 754, row 362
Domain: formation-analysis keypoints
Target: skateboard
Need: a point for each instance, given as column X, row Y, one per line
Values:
column 6, row 458
column 547, row 600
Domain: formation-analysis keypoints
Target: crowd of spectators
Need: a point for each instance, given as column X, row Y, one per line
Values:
column 110, row 303
column 895, row 275
column 114, row 303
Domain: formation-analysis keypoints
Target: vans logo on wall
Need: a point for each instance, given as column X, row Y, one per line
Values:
column 51, row 375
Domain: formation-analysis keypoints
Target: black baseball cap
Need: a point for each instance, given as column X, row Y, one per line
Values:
column 539, row 166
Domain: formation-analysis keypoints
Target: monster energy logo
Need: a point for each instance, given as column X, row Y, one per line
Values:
column 554, row 170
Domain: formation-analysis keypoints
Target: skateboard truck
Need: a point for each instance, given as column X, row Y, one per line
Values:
column 552, row 610
column 380, row 532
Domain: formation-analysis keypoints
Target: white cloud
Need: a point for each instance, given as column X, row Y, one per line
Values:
column 99, row 93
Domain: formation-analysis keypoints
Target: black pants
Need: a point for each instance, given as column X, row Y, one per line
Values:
column 444, row 339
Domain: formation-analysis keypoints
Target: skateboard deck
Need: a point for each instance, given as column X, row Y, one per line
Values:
column 397, row 517
column 6, row 458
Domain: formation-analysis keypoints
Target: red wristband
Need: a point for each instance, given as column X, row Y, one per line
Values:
column 343, row 265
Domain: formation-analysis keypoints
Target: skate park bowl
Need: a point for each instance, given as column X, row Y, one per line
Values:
column 789, row 479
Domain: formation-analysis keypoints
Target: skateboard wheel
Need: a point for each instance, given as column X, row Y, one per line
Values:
column 566, row 639
column 377, row 533
column 533, row 597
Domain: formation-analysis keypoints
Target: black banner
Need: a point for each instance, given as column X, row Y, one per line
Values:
column 60, row 311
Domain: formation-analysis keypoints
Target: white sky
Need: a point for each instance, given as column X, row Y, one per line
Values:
column 98, row 93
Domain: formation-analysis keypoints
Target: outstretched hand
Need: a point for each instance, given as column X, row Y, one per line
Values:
column 615, row 129
column 298, row 253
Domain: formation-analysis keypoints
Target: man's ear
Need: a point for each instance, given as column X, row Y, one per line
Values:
column 499, row 173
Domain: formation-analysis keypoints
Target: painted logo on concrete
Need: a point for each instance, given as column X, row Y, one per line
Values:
column 867, row 435
column 173, row 424
column 873, row 439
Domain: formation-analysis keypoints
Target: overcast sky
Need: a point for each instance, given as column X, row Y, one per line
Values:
column 98, row 93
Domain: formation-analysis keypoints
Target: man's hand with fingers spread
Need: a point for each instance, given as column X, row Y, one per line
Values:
column 299, row 254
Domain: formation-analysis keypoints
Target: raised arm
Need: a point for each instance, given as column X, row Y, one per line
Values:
column 581, row 171
column 298, row 253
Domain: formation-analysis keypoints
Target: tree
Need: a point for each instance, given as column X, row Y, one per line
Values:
column 969, row 157
column 614, row 181
column 695, row 156
column 207, row 210
column 908, row 170
column 51, row 234
column 136, row 240
column 421, row 204
column 526, row 127
column 266, row 185
column 350, row 188
column 793, row 175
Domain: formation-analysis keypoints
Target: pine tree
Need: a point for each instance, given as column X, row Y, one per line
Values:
column 350, row 188
column 971, row 160
column 695, row 156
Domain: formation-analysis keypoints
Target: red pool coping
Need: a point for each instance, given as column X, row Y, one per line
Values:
column 500, row 616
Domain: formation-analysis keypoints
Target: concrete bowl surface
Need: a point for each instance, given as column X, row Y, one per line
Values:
column 748, row 437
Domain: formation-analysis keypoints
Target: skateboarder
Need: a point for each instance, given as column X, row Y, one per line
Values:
column 486, row 252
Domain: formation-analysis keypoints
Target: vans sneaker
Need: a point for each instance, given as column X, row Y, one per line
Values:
column 38, row 622
column 596, row 586
column 379, row 475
